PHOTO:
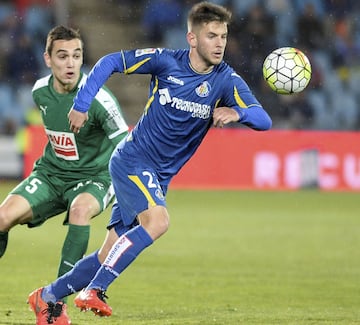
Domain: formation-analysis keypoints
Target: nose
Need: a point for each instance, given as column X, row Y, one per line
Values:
column 221, row 42
column 70, row 62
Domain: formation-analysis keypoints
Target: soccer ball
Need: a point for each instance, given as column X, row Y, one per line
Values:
column 287, row 70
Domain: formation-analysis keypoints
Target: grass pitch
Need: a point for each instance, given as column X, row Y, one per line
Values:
column 230, row 257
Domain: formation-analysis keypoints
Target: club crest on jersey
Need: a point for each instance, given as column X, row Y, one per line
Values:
column 203, row 90
column 63, row 144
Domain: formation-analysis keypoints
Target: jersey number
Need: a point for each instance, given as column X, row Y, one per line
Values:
column 33, row 185
column 150, row 183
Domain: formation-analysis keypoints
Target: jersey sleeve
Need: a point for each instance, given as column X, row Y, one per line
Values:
column 109, row 115
column 135, row 61
column 38, row 85
column 240, row 98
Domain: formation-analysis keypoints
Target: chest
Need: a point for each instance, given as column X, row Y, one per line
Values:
column 54, row 113
column 201, row 89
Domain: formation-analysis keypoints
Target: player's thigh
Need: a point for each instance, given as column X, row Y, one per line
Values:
column 91, row 196
column 137, row 188
column 42, row 196
column 14, row 210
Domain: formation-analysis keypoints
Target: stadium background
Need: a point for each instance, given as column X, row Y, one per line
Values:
column 327, row 31
column 231, row 257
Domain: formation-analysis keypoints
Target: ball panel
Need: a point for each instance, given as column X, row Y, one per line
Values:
column 287, row 70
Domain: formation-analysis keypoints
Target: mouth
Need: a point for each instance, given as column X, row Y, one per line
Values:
column 70, row 75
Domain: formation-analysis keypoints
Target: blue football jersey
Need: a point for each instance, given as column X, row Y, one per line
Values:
column 179, row 109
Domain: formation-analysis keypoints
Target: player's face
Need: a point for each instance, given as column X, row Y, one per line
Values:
column 65, row 62
column 209, row 44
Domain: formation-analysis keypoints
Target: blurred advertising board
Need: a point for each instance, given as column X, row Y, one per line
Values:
column 274, row 160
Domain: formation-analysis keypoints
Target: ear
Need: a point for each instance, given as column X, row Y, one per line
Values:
column 47, row 59
column 191, row 39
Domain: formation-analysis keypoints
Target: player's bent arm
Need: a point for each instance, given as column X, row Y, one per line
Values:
column 251, row 112
column 224, row 115
column 255, row 117
column 97, row 77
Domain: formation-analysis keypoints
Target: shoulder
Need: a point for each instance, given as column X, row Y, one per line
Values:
column 176, row 54
column 162, row 54
column 228, row 73
column 225, row 68
column 106, row 98
column 154, row 51
column 41, row 83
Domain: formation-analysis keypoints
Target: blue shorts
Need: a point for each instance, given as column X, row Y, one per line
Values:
column 137, row 188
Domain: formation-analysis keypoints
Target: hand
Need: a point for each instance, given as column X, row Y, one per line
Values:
column 77, row 120
column 224, row 115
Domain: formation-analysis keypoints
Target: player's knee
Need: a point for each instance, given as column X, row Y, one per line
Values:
column 164, row 224
column 83, row 208
column 80, row 214
column 13, row 211
column 161, row 225
column 156, row 224
column 6, row 221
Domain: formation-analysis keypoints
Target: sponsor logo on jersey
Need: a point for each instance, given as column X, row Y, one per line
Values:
column 196, row 109
column 203, row 90
column 63, row 144
column 175, row 80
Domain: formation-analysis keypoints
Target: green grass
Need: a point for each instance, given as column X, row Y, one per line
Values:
column 230, row 257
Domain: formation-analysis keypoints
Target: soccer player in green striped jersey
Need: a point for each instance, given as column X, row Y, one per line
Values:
column 72, row 174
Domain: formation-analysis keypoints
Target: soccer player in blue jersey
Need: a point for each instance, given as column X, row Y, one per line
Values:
column 190, row 90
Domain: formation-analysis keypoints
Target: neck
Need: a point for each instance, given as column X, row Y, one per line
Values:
column 199, row 65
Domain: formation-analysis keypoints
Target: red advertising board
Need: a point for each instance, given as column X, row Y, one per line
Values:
column 35, row 140
column 272, row 160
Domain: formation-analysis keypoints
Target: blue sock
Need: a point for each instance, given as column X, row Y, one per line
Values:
column 123, row 252
column 74, row 280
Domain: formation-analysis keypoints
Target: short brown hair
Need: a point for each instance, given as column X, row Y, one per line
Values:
column 206, row 12
column 60, row 33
